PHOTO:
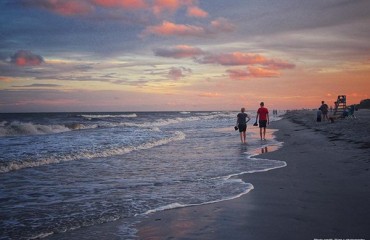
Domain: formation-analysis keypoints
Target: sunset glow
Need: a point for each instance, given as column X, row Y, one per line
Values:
column 159, row 55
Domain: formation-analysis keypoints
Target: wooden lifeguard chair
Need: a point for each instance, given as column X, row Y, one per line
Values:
column 340, row 106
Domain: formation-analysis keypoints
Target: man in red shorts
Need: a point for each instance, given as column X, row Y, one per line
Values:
column 263, row 116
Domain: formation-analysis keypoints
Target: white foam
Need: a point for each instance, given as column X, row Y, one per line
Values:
column 42, row 235
column 165, row 122
column 17, row 128
column 179, row 205
column 16, row 165
column 3, row 123
column 90, row 116
column 231, row 177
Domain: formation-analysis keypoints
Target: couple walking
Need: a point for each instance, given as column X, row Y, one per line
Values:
column 262, row 118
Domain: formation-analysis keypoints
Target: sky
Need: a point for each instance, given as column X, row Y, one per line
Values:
column 181, row 55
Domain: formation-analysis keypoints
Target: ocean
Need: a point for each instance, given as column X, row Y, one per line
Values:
column 61, row 173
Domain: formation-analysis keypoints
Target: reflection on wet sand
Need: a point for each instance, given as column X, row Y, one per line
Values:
column 264, row 150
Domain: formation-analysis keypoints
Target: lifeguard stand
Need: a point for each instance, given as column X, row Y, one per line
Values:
column 340, row 106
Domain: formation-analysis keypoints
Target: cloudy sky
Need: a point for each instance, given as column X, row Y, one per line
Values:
column 153, row 55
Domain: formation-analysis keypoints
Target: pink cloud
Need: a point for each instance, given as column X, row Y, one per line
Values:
column 161, row 6
column 279, row 64
column 126, row 4
column 63, row 7
column 238, row 74
column 240, row 58
column 257, row 65
column 179, row 51
column 222, row 25
column 172, row 29
column 234, row 59
column 156, row 7
column 252, row 72
column 260, row 72
column 81, row 7
column 194, row 11
column 26, row 58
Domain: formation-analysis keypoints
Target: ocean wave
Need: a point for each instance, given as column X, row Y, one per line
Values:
column 91, row 116
column 17, row 128
column 166, row 122
column 16, row 165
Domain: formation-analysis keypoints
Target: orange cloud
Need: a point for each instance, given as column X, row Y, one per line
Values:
column 179, row 51
column 26, row 58
column 172, row 29
column 260, row 72
column 239, row 58
column 165, row 5
column 234, row 59
column 63, row 7
column 252, row 72
column 127, row 4
column 194, row 11
column 258, row 66
column 5, row 79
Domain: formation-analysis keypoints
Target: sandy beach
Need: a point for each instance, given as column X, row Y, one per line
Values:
column 322, row 193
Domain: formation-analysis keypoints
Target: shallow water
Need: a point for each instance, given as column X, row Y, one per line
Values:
column 61, row 172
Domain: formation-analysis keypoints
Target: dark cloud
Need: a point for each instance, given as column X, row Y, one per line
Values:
column 179, row 51
column 24, row 58
column 176, row 73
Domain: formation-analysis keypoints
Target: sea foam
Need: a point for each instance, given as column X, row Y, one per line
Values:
column 17, row 128
column 16, row 165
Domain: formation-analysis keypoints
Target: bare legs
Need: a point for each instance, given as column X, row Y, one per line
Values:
column 243, row 137
column 263, row 132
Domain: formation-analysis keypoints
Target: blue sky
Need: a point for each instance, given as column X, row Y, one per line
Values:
column 140, row 55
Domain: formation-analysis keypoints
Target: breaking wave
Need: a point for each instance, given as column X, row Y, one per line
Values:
column 17, row 128
column 91, row 116
column 16, row 165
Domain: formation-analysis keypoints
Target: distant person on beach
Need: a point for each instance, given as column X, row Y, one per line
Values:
column 241, row 124
column 324, row 108
column 263, row 116
column 318, row 116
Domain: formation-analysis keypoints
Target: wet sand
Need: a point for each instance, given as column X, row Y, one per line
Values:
column 322, row 193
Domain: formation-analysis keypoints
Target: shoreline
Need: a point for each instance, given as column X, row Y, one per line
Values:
column 323, row 192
